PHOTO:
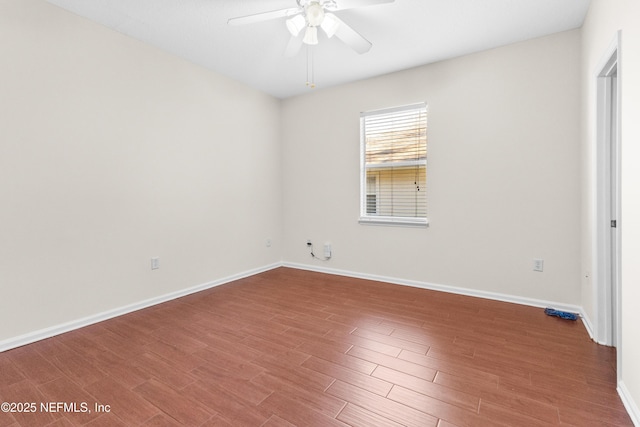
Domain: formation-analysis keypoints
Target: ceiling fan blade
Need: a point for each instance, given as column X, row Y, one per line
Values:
column 352, row 38
column 351, row 4
column 293, row 47
column 264, row 16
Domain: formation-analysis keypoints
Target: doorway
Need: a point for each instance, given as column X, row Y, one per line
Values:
column 607, row 199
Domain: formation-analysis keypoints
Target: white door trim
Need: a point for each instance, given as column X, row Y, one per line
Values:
column 606, row 286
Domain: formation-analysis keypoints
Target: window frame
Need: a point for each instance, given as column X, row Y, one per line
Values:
column 365, row 217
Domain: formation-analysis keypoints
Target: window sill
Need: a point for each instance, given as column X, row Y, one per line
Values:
column 396, row 222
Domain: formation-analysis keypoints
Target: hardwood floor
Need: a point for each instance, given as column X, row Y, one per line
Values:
column 295, row 348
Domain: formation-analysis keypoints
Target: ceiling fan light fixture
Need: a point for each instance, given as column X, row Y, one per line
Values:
column 315, row 14
column 296, row 24
column 330, row 24
column 311, row 36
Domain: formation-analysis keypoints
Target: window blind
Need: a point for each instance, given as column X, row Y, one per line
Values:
column 394, row 165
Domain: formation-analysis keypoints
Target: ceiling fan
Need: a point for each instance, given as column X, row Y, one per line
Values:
column 311, row 14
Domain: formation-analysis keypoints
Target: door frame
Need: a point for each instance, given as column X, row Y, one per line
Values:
column 605, row 169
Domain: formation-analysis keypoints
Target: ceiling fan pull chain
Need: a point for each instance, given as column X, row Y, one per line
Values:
column 310, row 74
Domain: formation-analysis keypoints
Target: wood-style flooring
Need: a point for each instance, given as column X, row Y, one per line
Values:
column 296, row 348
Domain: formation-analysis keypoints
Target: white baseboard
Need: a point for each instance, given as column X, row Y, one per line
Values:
column 588, row 325
column 79, row 323
column 451, row 289
column 41, row 334
column 629, row 403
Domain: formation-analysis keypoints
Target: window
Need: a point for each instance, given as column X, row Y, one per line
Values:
column 394, row 166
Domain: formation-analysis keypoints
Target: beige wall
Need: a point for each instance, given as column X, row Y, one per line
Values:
column 605, row 18
column 503, row 181
column 112, row 152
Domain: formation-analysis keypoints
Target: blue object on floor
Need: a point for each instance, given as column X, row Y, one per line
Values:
column 561, row 314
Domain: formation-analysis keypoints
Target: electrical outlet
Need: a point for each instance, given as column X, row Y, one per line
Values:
column 268, row 243
column 155, row 263
column 538, row 265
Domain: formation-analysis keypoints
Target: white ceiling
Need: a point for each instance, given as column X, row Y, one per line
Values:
column 405, row 34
